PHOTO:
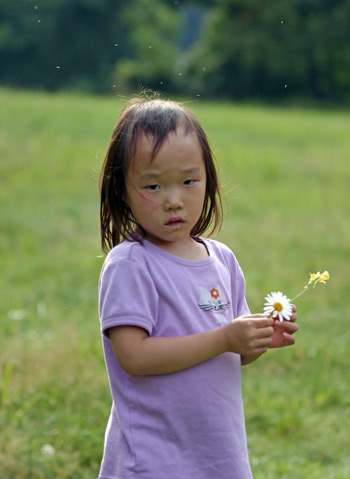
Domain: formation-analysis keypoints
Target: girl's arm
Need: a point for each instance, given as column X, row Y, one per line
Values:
column 139, row 354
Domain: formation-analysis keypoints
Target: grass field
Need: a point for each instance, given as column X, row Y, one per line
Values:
column 286, row 178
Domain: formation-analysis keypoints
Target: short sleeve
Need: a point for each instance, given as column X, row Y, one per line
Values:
column 127, row 296
column 242, row 306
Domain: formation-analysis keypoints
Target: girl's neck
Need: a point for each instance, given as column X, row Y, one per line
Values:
column 191, row 248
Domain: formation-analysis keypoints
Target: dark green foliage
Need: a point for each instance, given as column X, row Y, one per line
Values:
column 230, row 48
column 274, row 50
column 60, row 44
column 152, row 31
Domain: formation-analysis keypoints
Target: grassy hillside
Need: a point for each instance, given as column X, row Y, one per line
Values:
column 286, row 179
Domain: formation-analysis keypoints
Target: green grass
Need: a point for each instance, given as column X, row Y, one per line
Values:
column 286, row 180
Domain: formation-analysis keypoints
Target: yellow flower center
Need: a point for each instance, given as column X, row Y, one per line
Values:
column 278, row 306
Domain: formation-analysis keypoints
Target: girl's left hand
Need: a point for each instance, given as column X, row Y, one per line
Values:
column 283, row 331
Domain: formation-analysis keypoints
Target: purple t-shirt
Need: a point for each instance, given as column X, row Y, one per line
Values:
column 184, row 425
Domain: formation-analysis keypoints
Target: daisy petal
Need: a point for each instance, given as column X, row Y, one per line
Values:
column 279, row 304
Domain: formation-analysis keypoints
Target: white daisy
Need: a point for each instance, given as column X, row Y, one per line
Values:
column 279, row 305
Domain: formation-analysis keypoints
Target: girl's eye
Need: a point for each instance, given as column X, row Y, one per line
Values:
column 189, row 182
column 153, row 187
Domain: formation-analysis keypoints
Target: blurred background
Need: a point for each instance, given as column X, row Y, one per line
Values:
column 235, row 49
column 270, row 83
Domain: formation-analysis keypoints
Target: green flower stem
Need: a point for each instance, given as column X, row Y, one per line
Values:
column 302, row 292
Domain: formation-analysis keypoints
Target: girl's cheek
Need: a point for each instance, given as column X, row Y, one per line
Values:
column 149, row 203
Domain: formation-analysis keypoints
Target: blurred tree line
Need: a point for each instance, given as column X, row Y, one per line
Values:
column 229, row 48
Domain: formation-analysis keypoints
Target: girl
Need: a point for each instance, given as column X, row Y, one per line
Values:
column 176, row 326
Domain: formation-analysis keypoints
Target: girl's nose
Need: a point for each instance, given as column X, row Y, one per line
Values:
column 173, row 201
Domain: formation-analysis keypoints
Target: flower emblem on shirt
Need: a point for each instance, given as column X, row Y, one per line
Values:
column 214, row 293
column 213, row 300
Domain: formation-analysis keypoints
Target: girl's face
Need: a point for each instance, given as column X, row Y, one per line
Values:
column 166, row 194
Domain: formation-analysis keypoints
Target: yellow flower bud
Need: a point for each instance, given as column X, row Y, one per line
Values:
column 324, row 276
column 314, row 278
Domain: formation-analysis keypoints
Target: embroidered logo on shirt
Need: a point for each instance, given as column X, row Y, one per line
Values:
column 214, row 300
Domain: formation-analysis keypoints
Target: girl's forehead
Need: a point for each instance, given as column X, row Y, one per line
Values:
column 144, row 144
column 143, row 152
column 148, row 145
column 175, row 146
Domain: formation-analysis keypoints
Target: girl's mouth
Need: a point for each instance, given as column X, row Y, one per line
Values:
column 175, row 221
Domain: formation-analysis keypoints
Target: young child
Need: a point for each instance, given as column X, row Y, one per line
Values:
column 176, row 326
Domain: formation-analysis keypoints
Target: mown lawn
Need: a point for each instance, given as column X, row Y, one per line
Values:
column 286, row 178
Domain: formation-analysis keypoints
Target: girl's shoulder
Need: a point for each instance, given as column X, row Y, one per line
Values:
column 125, row 260
column 223, row 253
column 127, row 250
column 218, row 247
column 128, row 255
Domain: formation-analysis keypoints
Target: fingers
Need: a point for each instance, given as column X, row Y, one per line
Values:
column 250, row 334
column 264, row 332
column 290, row 326
column 293, row 317
column 290, row 340
column 260, row 320
column 263, row 343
